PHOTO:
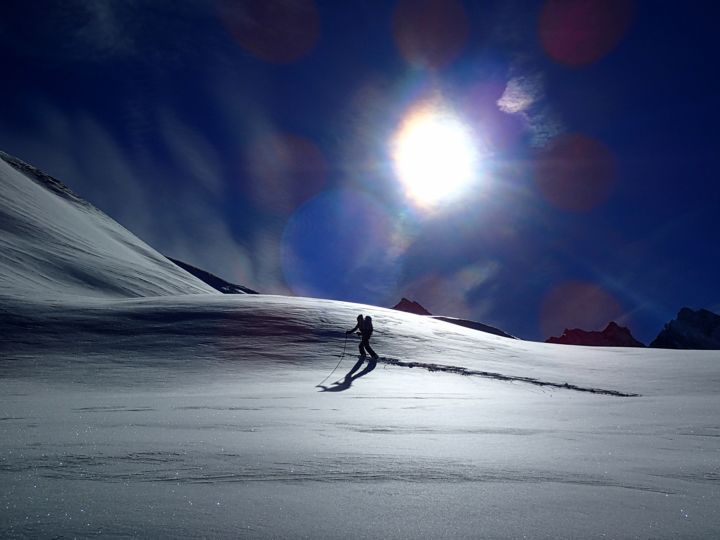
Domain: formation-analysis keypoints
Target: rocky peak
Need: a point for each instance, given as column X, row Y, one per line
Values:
column 691, row 329
column 614, row 335
column 411, row 306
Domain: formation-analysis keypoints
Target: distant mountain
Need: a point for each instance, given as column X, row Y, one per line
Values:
column 614, row 335
column 53, row 243
column 215, row 282
column 411, row 306
column 475, row 326
column 690, row 330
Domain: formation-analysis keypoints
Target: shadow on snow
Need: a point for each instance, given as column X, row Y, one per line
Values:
column 351, row 376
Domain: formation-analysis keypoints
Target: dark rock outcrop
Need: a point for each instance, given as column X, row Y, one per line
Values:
column 215, row 282
column 690, row 330
column 410, row 306
column 614, row 335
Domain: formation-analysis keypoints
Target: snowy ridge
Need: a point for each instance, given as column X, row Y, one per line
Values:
column 45, row 180
column 54, row 244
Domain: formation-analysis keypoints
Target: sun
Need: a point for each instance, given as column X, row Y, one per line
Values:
column 435, row 155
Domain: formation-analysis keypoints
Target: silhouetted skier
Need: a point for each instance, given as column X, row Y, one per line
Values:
column 365, row 327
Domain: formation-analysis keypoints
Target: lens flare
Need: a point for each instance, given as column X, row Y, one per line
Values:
column 578, row 304
column 340, row 244
column 430, row 33
column 575, row 172
column 285, row 170
column 435, row 155
column 276, row 31
column 578, row 32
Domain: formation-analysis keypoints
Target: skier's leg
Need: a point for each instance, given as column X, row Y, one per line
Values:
column 362, row 348
column 370, row 349
column 365, row 343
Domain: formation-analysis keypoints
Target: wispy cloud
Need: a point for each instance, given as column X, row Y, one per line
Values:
column 99, row 30
column 521, row 93
column 515, row 29
column 524, row 95
column 175, row 207
column 544, row 125
column 193, row 152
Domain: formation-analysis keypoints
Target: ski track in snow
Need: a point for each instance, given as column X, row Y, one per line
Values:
column 500, row 377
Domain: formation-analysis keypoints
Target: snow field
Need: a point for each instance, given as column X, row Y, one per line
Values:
column 199, row 416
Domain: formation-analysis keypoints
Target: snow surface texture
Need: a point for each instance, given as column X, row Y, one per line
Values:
column 199, row 415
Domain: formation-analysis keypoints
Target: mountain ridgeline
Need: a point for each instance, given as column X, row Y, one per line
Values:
column 691, row 329
column 613, row 335
column 215, row 282
column 411, row 306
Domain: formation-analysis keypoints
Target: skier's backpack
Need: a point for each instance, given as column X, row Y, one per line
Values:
column 367, row 329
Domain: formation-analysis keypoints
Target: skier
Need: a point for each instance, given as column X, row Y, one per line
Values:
column 365, row 328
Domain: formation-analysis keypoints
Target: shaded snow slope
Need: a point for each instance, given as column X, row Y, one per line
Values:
column 52, row 243
column 199, row 416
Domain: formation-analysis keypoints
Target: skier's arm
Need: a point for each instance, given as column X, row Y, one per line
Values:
column 357, row 326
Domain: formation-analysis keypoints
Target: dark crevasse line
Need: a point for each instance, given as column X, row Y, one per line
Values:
column 500, row 377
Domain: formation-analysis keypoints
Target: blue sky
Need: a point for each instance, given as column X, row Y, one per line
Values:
column 253, row 139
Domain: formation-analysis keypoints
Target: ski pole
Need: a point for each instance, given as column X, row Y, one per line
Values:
column 338, row 364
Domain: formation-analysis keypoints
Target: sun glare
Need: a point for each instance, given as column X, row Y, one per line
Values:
column 434, row 155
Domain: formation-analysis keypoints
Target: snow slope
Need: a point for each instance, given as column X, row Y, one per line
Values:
column 52, row 243
column 199, row 416
column 130, row 408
